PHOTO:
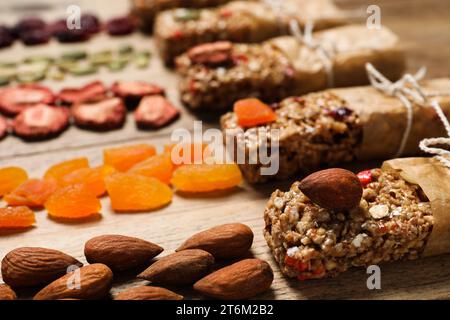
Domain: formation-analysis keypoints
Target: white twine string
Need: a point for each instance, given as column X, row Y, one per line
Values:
column 408, row 96
column 307, row 39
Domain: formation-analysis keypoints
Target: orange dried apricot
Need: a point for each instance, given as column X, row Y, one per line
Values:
column 159, row 166
column 32, row 193
column 196, row 153
column 16, row 217
column 123, row 158
column 92, row 178
column 11, row 178
column 59, row 170
column 73, row 202
column 134, row 193
column 252, row 112
column 206, row 177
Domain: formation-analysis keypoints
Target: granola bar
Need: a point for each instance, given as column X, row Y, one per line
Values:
column 284, row 67
column 239, row 21
column 337, row 126
column 393, row 221
column 145, row 11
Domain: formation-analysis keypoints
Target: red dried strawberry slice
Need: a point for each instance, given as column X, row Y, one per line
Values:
column 133, row 91
column 91, row 91
column 155, row 112
column 102, row 115
column 41, row 122
column 3, row 127
column 13, row 100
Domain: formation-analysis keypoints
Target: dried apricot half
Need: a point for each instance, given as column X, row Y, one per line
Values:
column 123, row 158
column 159, row 166
column 253, row 112
column 206, row 177
column 11, row 178
column 32, row 193
column 134, row 193
column 92, row 178
column 16, row 218
column 187, row 153
column 73, row 202
column 59, row 170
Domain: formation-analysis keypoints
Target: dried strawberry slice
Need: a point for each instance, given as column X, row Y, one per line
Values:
column 102, row 115
column 15, row 99
column 133, row 91
column 41, row 122
column 155, row 112
column 91, row 91
column 3, row 127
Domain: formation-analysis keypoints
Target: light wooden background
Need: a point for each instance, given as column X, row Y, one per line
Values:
column 424, row 26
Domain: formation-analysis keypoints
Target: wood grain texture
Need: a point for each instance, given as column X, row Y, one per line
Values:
column 425, row 32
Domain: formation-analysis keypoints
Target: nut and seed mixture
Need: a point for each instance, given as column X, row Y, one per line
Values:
column 315, row 130
column 180, row 29
column 392, row 222
column 145, row 11
column 251, row 68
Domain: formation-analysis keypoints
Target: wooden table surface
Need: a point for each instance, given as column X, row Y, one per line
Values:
column 423, row 25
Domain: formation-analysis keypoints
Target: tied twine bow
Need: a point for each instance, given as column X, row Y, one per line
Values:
column 325, row 54
column 408, row 90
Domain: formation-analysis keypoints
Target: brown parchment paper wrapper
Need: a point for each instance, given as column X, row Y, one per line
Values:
column 354, row 46
column 434, row 179
column 384, row 119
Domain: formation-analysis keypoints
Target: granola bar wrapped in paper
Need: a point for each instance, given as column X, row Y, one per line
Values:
column 239, row 21
column 403, row 214
column 214, row 77
column 338, row 126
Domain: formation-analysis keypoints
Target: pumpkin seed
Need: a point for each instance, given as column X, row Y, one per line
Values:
column 126, row 49
column 82, row 69
column 184, row 14
column 29, row 77
column 116, row 65
column 74, row 55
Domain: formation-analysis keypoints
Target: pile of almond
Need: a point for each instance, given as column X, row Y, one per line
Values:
column 60, row 276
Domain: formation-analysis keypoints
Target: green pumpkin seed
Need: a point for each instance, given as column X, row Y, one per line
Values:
column 56, row 74
column 126, row 49
column 141, row 61
column 184, row 14
column 100, row 58
column 8, row 64
column 29, row 77
column 116, row 65
column 74, row 55
column 38, row 59
column 82, row 69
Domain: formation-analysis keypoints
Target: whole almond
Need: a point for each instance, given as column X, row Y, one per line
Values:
column 90, row 282
column 180, row 268
column 32, row 266
column 148, row 293
column 241, row 280
column 334, row 189
column 6, row 293
column 213, row 54
column 120, row 253
column 223, row 242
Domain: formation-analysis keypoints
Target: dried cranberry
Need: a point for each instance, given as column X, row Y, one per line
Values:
column 340, row 114
column 120, row 26
column 6, row 37
column 35, row 37
column 65, row 35
column 28, row 24
column 365, row 177
column 90, row 23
